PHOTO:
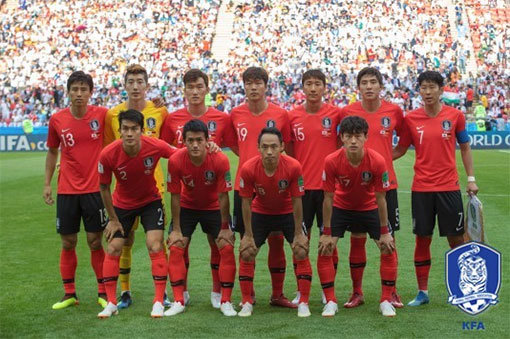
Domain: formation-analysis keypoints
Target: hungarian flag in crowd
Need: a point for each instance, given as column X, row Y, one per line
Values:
column 451, row 96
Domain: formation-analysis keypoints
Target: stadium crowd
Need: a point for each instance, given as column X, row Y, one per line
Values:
column 41, row 42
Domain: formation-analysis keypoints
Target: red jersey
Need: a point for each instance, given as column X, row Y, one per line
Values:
column 80, row 141
column 136, row 186
column 273, row 194
column 315, row 137
column 354, row 187
column 434, row 139
column 382, row 123
column 248, row 127
column 217, row 122
column 200, row 184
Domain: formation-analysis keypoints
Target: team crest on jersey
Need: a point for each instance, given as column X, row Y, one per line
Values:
column 148, row 163
column 260, row 189
column 212, row 126
column 366, row 176
column 94, row 126
column 209, row 177
column 473, row 277
column 447, row 125
column 326, row 122
column 188, row 180
column 271, row 123
column 151, row 123
column 386, row 122
column 282, row 185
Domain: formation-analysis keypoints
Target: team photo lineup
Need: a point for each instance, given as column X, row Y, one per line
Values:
column 315, row 162
column 337, row 156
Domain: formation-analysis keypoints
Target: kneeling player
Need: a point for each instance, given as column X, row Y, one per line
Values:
column 201, row 198
column 351, row 177
column 133, row 161
column 278, row 184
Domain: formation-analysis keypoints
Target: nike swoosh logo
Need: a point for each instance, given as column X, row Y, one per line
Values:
column 65, row 130
column 420, row 127
column 179, row 127
column 298, row 124
column 240, row 124
column 121, row 168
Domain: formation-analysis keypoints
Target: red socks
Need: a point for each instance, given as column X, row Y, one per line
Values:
column 388, row 271
column 215, row 265
column 177, row 271
column 227, row 272
column 97, row 259
column 276, row 263
column 327, row 274
column 186, row 263
column 335, row 259
column 159, row 273
column 422, row 261
column 246, row 272
column 110, row 276
column 68, row 263
column 357, row 262
column 304, row 278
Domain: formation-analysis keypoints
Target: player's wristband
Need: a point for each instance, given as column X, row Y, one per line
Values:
column 385, row 229
column 326, row 231
column 225, row 225
column 471, row 178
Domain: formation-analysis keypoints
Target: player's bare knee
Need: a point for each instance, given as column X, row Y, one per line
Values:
column 248, row 256
column 300, row 253
column 221, row 243
column 114, row 248
column 69, row 241
column 94, row 241
column 155, row 247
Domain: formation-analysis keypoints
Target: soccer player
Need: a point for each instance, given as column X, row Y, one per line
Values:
column 248, row 120
column 314, row 123
column 277, row 182
column 133, row 160
column 434, row 130
column 383, row 119
column 354, row 181
column 78, row 131
column 202, row 197
column 136, row 85
column 221, row 132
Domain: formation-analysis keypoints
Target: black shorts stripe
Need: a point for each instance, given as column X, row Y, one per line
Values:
column 304, row 277
column 227, row 284
column 245, row 278
column 159, row 277
column 215, row 266
column 125, row 270
column 277, row 269
column 357, row 265
column 106, row 279
column 388, row 282
column 328, row 284
column 423, row 263
column 67, row 281
column 177, row 283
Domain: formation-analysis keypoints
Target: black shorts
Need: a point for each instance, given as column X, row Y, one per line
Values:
column 446, row 205
column 210, row 221
column 469, row 103
column 71, row 208
column 355, row 222
column 151, row 215
column 237, row 220
column 393, row 213
column 263, row 224
column 312, row 207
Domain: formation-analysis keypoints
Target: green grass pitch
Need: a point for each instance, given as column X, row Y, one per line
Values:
column 30, row 280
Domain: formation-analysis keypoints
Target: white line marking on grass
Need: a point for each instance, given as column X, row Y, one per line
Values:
column 504, row 151
column 480, row 194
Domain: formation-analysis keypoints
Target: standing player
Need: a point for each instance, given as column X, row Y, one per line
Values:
column 354, row 182
column 383, row 119
column 248, row 120
column 434, row 130
column 78, row 131
column 221, row 132
column 314, row 123
column 277, row 182
column 133, row 160
column 136, row 84
column 202, row 197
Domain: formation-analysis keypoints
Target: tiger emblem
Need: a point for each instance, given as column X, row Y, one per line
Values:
column 473, row 272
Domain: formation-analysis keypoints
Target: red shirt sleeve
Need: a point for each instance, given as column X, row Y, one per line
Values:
column 286, row 128
column 166, row 132
column 229, row 134
column 246, row 183
column 297, row 184
column 399, row 126
column 166, row 150
column 224, row 179
column 405, row 139
column 53, row 139
column 328, row 175
column 104, row 169
column 173, row 181
column 461, row 123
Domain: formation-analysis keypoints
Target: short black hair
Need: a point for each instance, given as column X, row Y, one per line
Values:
column 80, row 76
column 313, row 74
column 193, row 75
column 270, row 130
column 431, row 76
column 255, row 73
column 353, row 124
column 369, row 71
column 195, row 125
column 131, row 115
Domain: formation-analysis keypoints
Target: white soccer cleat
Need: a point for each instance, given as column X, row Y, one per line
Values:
column 228, row 309
column 108, row 311
column 295, row 301
column 330, row 309
column 246, row 311
column 157, row 310
column 215, row 299
column 387, row 309
column 324, row 300
column 303, row 310
column 176, row 308
column 186, row 298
